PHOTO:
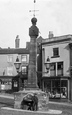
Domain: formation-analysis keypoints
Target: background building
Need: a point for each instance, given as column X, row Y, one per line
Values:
column 57, row 78
column 7, row 60
column 8, row 74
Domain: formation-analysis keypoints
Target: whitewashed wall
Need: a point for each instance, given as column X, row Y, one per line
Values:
column 4, row 65
column 63, row 53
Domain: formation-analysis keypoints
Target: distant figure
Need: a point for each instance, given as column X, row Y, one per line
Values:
column 3, row 72
column 31, row 101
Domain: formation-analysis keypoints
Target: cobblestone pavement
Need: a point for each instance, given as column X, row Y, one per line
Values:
column 66, row 108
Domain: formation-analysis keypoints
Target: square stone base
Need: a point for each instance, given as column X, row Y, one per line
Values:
column 43, row 98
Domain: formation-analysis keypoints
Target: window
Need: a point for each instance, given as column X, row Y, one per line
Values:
column 53, row 69
column 55, row 52
column 9, row 58
column 10, row 71
column 63, row 88
column 60, row 68
column 57, row 88
column 24, row 69
column 25, row 83
column 24, row 58
column 52, row 66
column 56, row 69
column 15, row 84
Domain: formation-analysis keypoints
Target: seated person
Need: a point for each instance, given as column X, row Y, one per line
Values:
column 31, row 101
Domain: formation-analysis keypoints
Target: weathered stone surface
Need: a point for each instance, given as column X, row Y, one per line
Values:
column 33, row 31
column 32, row 68
column 43, row 98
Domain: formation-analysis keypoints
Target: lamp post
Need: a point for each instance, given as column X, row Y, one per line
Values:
column 16, row 81
column 17, row 64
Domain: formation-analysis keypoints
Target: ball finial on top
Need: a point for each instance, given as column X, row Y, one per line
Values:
column 34, row 20
column 33, row 30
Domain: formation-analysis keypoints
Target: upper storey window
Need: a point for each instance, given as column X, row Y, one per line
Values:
column 9, row 58
column 24, row 58
column 24, row 69
column 10, row 71
column 55, row 53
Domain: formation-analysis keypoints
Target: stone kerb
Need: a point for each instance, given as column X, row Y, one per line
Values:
column 11, row 111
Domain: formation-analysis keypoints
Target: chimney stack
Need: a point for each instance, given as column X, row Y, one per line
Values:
column 28, row 45
column 17, row 42
column 51, row 34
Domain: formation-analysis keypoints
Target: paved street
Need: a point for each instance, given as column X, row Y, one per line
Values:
column 66, row 108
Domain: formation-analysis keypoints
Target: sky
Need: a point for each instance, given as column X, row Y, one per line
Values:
column 15, row 19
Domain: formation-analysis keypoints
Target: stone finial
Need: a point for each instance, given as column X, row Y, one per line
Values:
column 17, row 42
column 33, row 30
column 34, row 20
column 51, row 34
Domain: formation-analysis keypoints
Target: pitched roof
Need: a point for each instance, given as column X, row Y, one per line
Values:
column 57, row 39
column 19, row 50
column 14, row 51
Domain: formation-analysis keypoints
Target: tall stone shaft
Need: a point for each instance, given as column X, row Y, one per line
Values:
column 32, row 68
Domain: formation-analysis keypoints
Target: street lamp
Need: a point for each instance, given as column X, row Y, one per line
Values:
column 47, row 67
column 47, row 64
column 17, row 64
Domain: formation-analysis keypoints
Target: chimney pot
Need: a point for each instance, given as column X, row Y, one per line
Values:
column 17, row 42
column 51, row 34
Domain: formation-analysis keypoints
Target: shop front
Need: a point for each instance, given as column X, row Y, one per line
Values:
column 57, row 87
column 5, row 83
column 19, row 82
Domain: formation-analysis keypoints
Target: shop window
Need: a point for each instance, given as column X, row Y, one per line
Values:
column 15, row 84
column 53, row 69
column 53, row 88
column 25, row 83
column 63, row 88
column 60, row 68
column 47, row 86
column 56, row 88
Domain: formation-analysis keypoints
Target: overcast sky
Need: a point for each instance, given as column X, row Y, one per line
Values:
column 15, row 19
